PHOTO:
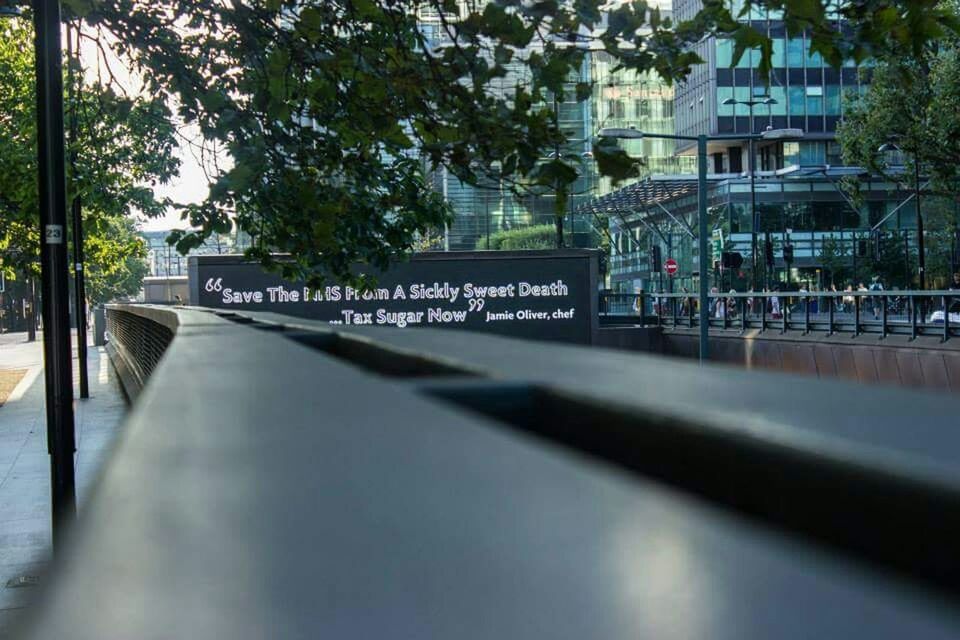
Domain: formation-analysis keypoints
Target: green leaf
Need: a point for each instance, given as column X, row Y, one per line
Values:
column 614, row 162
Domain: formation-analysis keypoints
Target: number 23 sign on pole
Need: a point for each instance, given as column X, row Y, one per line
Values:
column 670, row 266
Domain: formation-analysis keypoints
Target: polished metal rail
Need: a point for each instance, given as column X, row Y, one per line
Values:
column 895, row 312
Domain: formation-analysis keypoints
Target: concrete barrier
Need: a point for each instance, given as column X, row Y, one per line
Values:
column 283, row 478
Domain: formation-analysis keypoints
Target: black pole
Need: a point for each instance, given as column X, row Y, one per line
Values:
column 32, row 316
column 557, row 213
column 669, row 255
column 921, row 258
column 54, row 273
column 856, row 248
column 79, row 287
column 754, row 218
column 906, row 258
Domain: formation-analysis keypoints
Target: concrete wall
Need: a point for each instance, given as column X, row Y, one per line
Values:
column 631, row 338
column 923, row 363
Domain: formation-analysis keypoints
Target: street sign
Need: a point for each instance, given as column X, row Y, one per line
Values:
column 670, row 266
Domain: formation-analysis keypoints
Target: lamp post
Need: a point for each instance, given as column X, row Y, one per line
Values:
column 701, row 141
column 921, row 257
column 53, row 261
column 754, row 218
column 76, row 207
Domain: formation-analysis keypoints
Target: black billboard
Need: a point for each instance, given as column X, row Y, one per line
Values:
column 549, row 295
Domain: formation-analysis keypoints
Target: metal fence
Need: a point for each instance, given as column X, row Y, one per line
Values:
column 913, row 313
column 138, row 341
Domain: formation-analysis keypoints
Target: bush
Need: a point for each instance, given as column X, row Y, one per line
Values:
column 541, row 236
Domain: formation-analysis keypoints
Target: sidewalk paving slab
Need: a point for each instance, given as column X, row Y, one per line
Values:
column 25, row 463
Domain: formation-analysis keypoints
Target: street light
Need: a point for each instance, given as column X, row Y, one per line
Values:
column 54, row 275
column 701, row 140
column 53, row 267
column 888, row 147
column 754, row 218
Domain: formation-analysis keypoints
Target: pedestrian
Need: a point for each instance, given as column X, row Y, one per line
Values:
column 713, row 301
column 876, row 302
column 955, row 286
column 836, row 301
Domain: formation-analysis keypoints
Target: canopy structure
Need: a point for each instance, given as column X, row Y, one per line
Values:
column 640, row 196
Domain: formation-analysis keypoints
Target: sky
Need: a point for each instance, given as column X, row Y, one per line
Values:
column 191, row 185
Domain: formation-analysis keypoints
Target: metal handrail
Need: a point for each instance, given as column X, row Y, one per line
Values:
column 886, row 312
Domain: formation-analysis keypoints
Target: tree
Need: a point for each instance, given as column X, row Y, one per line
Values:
column 913, row 103
column 835, row 258
column 117, row 259
column 326, row 107
column 123, row 147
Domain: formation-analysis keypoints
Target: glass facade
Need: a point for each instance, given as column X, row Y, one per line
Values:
column 619, row 99
column 808, row 96
column 798, row 192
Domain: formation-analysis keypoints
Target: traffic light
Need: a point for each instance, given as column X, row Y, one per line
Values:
column 768, row 251
column 877, row 245
column 731, row 259
column 655, row 258
column 861, row 248
column 788, row 253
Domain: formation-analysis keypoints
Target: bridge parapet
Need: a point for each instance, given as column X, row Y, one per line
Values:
column 284, row 478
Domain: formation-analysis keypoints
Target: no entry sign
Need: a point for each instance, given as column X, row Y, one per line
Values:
column 670, row 266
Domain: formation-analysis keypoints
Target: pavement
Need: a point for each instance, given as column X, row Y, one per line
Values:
column 25, row 463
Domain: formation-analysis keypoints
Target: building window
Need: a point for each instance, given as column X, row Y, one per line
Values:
column 797, row 101
column 834, row 153
column 812, row 154
column 834, row 105
column 724, row 93
column 795, row 53
column 780, row 95
column 814, row 59
column 779, row 59
column 814, row 100
column 616, row 109
column 724, row 53
column 736, row 160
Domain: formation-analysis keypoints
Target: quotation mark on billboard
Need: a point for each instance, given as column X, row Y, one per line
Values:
column 214, row 285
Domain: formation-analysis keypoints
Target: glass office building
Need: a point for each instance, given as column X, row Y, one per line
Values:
column 798, row 190
column 618, row 99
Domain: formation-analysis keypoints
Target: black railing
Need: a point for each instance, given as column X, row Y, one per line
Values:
column 137, row 338
column 911, row 313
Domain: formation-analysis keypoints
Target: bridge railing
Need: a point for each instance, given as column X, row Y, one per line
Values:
column 911, row 313
column 284, row 478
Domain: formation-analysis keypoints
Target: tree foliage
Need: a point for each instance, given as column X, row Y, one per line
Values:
column 116, row 261
column 541, row 236
column 123, row 147
column 332, row 111
column 912, row 105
